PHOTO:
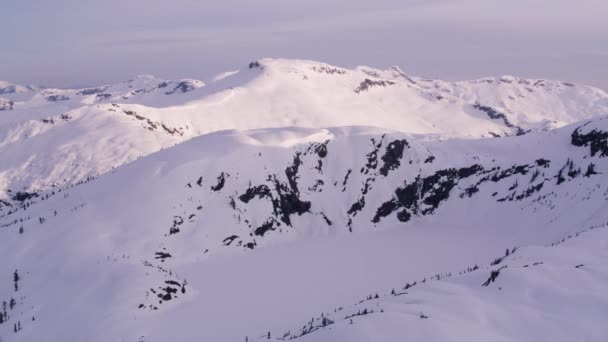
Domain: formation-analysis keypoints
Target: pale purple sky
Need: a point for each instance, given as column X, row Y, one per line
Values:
column 70, row 43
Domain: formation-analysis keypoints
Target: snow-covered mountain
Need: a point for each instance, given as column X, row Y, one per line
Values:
column 53, row 137
column 555, row 292
column 235, row 234
column 297, row 200
column 7, row 88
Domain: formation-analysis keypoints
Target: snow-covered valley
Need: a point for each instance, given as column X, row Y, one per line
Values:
column 276, row 202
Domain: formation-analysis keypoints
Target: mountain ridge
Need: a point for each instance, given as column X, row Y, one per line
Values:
column 220, row 226
column 102, row 128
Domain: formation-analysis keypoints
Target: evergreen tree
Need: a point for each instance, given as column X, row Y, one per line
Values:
column 16, row 279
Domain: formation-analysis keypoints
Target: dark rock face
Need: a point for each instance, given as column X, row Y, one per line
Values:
column 466, row 172
column 320, row 149
column 568, row 170
column 4, row 203
column 430, row 191
column 266, row 226
column 177, row 222
column 318, row 186
column 102, row 97
column 281, row 196
column 171, row 130
column 133, row 113
column 372, row 157
column 367, row 83
column 24, row 196
column 408, row 195
column 470, row 191
column 496, row 115
column 162, row 256
column 227, row 241
column 285, row 198
column 518, row 169
column 6, row 105
column 424, row 195
column 345, row 181
column 169, row 290
column 255, row 65
column 404, row 216
column 328, row 70
column 292, row 173
column 221, row 181
column 90, row 91
column 590, row 170
column 327, row 220
column 531, row 190
column 357, row 206
column 182, row 87
column 260, row 191
column 57, row 98
column 392, row 156
column 385, row 209
column 597, row 141
column 154, row 125
column 436, row 188
column 543, row 162
column 287, row 203
column 524, row 194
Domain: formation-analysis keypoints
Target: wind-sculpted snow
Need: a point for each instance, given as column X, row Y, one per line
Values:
column 214, row 238
column 58, row 137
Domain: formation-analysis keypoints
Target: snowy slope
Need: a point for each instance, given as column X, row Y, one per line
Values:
column 237, row 233
column 97, row 129
column 555, row 293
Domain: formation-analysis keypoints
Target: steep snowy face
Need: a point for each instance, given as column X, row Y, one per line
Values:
column 228, row 226
column 99, row 128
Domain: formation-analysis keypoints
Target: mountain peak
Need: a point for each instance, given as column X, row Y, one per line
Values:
column 11, row 88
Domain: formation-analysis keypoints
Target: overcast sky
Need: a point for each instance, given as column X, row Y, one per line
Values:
column 70, row 43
